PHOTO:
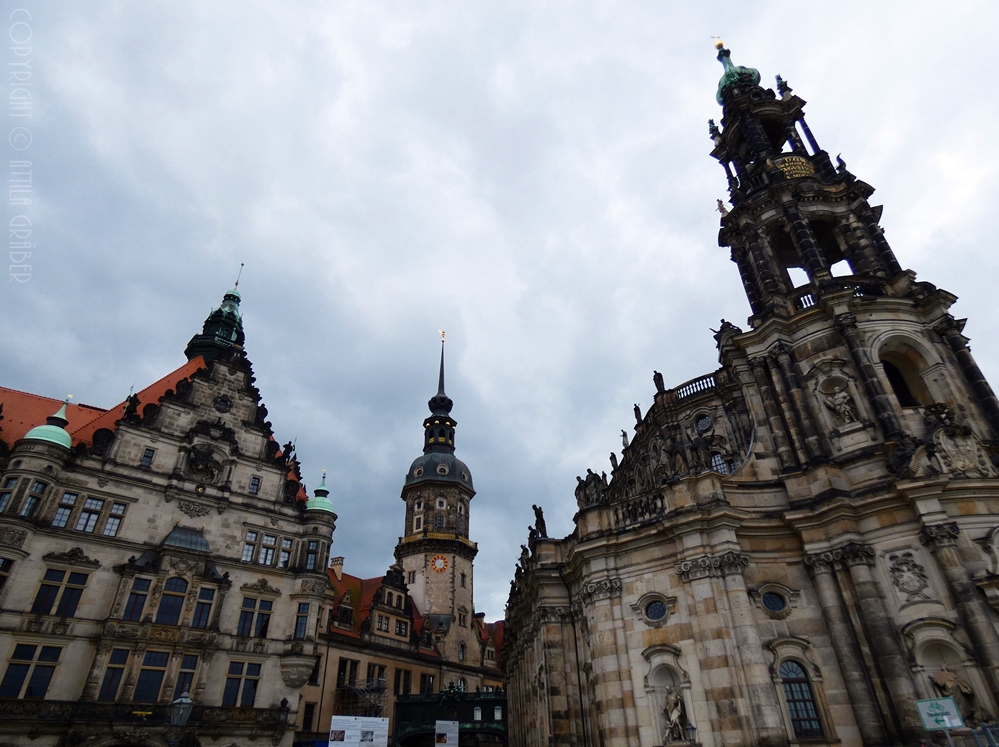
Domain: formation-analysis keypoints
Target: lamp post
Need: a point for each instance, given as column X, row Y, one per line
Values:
column 180, row 712
column 691, row 733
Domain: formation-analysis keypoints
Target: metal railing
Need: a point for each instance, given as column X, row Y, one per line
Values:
column 69, row 712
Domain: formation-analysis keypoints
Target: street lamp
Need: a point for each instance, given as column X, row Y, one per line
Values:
column 180, row 712
column 691, row 732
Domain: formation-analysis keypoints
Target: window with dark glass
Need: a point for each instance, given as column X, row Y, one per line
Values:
column 301, row 620
column 312, row 555
column 800, row 700
column 241, row 684
column 91, row 512
column 136, row 600
column 440, row 522
column 4, row 500
column 6, row 565
column 308, row 716
column 462, row 580
column 461, row 652
column 32, row 664
column 147, row 458
column 376, row 676
column 66, row 504
column 254, row 485
column 345, row 616
column 401, row 628
column 403, row 682
column 314, row 674
column 382, row 624
column 53, row 583
column 171, row 602
column 203, row 610
column 147, row 687
column 258, row 610
column 9, row 483
column 113, row 524
column 185, row 678
column 113, row 674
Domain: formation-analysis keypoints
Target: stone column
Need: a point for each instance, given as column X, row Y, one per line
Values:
column 784, row 452
column 847, row 650
column 870, row 222
column 805, row 243
column 784, row 398
column 785, row 359
column 760, row 263
column 759, row 681
column 976, row 615
column 610, row 661
column 891, row 428
column 884, row 639
column 131, row 674
column 749, row 282
column 980, row 388
column 93, row 686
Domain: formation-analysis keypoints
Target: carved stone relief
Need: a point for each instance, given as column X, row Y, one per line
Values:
column 907, row 576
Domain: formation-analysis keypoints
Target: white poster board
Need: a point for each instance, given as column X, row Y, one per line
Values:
column 939, row 713
column 359, row 731
column 446, row 732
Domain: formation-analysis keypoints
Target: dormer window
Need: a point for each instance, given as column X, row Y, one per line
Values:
column 441, row 503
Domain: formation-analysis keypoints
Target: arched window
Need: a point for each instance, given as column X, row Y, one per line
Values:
column 461, row 652
column 477, row 713
column 902, row 364
column 800, row 700
column 172, row 602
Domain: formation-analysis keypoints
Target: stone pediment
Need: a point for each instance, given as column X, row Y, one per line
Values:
column 261, row 587
column 74, row 557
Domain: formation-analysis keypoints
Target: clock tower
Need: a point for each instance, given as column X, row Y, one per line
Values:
column 435, row 552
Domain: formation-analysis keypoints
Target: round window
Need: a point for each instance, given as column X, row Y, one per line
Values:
column 773, row 601
column 418, row 471
column 703, row 423
column 655, row 610
column 441, row 469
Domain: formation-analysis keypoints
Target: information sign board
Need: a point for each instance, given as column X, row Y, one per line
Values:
column 939, row 714
column 446, row 732
column 359, row 731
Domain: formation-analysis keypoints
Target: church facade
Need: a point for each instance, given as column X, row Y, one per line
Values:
column 798, row 546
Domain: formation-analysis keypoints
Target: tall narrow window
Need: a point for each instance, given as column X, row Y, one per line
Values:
column 4, row 500
column 284, row 558
column 241, row 684
column 147, row 458
column 301, row 621
column 30, row 506
column 185, row 679
column 172, row 602
column 136, row 600
column 800, row 700
column 203, row 611
column 113, row 674
column 254, row 485
column 250, row 546
column 66, row 504
column 477, row 713
column 498, row 713
column 258, row 609
column 308, row 716
column 312, row 555
column 461, row 652
column 6, row 565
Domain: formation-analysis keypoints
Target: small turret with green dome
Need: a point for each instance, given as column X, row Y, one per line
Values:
column 320, row 501
column 734, row 75
column 223, row 330
column 54, row 431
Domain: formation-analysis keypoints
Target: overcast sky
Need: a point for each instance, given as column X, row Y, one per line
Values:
column 532, row 177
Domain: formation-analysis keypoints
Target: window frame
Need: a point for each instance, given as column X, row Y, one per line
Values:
column 64, row 510
column 114, row 672
column 175, row 597
column 238, row 675
column 56, row 604
column 32, row 671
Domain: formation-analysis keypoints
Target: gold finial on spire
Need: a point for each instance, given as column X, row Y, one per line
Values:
column 443, row 333
column 719, row 44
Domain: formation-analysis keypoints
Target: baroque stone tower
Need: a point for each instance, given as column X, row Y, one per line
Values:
column 435, row 552
column 802, row 543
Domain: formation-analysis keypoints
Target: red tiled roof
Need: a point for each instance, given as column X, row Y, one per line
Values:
column 152, row 394
column 23, row 411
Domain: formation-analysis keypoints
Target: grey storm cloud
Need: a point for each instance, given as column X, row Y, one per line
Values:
column 532, row 177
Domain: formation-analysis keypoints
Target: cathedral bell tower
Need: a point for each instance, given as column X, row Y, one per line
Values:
column 435, row 552
column 843, row 339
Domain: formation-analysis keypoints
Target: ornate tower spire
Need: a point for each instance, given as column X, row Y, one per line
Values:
column 222, row 331
column 439, row 427
column 790, row 207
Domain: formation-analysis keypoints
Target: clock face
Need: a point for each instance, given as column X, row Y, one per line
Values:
column 438, row 563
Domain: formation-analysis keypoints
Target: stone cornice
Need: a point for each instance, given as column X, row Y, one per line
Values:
column 717, row 565
column 852, row 553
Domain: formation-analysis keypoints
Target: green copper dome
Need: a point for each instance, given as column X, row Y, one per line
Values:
column 734, row 75
column 54, row 430
column 319, row 502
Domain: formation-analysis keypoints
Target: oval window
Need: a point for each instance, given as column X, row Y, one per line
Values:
column 655, row 610
column 773, row 601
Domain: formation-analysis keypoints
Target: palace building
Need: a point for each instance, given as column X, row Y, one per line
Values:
column 797, row 546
